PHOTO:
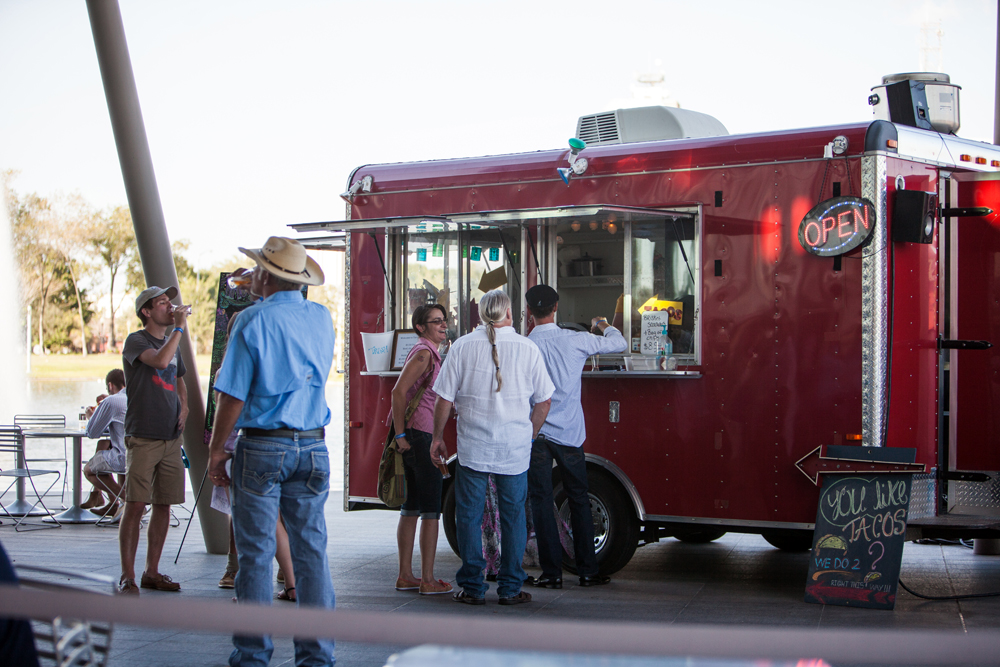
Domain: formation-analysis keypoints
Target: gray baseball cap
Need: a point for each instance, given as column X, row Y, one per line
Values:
column 151, row 293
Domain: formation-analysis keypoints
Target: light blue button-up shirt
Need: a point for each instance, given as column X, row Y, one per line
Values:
column 565, row 352
column 279, row 356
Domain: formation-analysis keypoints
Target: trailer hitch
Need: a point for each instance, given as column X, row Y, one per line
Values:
column 944, row 344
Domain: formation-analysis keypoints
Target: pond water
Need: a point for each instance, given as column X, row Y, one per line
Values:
column 65, row 397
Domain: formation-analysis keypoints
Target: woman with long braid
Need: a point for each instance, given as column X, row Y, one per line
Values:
column 496, row 380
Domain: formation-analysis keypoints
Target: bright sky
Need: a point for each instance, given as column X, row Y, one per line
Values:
column 257, row 112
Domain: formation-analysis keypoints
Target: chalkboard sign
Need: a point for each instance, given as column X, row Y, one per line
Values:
column 858, row 541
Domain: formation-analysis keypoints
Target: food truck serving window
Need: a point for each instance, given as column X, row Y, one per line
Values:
column 642, row 268
column 454, row 265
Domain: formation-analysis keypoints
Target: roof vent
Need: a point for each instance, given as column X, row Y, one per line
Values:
column 927, row 100
column 626, row 126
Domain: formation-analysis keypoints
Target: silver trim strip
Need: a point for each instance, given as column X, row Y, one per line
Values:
column 730, row 522
column 360, row 499
column 653, row 172
column 623, row 478
column 347, row 366
column 874, row 309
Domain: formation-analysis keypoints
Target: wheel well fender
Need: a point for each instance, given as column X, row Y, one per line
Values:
column 618, row 474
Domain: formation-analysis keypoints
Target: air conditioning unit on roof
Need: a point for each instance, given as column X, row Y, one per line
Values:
column 626, row 126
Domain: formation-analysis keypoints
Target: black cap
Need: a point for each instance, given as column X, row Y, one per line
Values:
column 541, row 296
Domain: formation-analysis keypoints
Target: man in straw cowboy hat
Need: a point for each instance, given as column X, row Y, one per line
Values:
column 271, row 385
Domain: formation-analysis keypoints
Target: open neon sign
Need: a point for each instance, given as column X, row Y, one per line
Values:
column 837, row 226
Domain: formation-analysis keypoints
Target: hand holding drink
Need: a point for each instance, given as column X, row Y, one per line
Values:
column 180, row 314
column 240, row 279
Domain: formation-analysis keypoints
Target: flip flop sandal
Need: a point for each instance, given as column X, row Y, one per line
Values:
column 406, row 588
column 284, row 594
column 448, row 588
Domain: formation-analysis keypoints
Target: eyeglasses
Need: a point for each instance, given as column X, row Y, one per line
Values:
column 436, row 321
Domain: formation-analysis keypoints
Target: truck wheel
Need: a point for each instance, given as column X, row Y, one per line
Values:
column 448, row 519
column 699, row 535
column 616, row 527
column 789, row 539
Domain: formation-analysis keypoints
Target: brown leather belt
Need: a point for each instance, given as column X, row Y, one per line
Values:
column 284, row 433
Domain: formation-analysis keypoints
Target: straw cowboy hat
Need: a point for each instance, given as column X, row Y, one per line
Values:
column 287, row 259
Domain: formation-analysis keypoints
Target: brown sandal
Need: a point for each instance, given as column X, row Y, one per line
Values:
column 427, row 590
column 286, row 594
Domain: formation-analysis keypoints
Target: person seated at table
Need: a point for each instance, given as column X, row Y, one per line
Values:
column 108, row 414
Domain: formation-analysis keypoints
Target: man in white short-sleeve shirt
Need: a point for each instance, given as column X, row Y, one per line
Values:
column 497, row 382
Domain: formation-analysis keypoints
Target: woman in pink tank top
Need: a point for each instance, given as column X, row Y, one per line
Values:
column 423, row 478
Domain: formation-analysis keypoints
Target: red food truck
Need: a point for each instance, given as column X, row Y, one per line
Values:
column 823, row 287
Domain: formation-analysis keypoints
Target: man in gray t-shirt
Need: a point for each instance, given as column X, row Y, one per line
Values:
column 154, row 417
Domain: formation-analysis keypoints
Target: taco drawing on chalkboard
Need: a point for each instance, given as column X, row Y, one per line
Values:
column 831, row 542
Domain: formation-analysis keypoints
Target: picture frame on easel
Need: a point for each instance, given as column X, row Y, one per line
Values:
column 403, row 341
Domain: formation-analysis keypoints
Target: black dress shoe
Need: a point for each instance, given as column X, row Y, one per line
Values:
column 547, row 582
column 595, row 580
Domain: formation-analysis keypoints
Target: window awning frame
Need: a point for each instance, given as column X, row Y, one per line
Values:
column 501, row 218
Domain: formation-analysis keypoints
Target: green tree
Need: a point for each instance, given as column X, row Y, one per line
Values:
column 38, row 263
column 71, row 240
column 199, row 288
column 113, row 237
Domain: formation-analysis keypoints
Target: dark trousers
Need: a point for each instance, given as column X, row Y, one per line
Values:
column 17, row 641
column 573, row 467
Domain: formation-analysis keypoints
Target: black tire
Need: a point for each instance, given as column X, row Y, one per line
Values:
column 448, row 517
column 788, row 539
column 616, row 527
column 699, row 534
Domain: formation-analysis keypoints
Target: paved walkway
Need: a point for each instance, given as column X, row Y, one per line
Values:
column 737, row 580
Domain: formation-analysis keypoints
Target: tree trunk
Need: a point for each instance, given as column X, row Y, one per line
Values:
column 79, row 306
column 111, row 307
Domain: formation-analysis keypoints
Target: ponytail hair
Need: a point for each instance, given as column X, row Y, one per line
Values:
column 493, row 308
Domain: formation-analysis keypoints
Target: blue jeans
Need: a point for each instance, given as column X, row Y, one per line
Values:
column 470, row 498
column 573, row 467
column 291, row 476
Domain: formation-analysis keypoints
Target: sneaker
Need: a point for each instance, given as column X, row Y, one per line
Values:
column 228, row 579
column 520, row 598
column 118, row 514
column 127, row 587
column 160, row 582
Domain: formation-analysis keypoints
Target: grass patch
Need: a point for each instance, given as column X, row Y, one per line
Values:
column 90, row 367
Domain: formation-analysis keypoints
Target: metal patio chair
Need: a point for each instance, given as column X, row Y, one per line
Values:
column 12, row 443
column 69, row 642
column 42, row 422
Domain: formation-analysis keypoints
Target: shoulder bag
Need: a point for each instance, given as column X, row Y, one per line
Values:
column 391, row 480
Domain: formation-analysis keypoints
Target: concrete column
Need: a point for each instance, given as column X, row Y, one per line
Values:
column 151, row 232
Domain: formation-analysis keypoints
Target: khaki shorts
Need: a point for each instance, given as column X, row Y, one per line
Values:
column 154, row 471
